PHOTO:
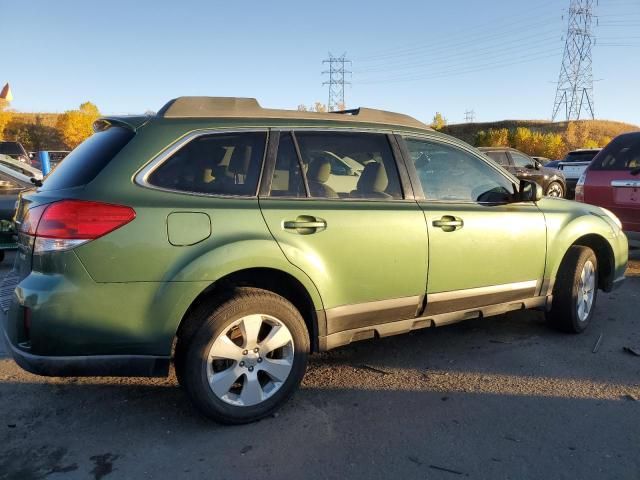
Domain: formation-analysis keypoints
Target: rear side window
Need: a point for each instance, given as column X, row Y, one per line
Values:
column 349, row 165
column 88, row 159
column 623, row 153
column 217, row 164
column 500, row 157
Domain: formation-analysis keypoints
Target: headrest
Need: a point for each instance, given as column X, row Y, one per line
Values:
column 239, row 162
column 373, row 178
column 319, row 170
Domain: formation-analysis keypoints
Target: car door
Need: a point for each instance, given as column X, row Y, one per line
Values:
column 484, row 249
column 525, row 167
column 362, row 240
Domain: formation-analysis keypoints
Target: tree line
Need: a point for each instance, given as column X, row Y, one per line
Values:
column 48, row 131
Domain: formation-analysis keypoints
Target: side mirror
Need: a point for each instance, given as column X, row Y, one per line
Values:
column 529, row 191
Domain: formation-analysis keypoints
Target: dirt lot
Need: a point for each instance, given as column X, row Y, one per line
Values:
column 503, row 397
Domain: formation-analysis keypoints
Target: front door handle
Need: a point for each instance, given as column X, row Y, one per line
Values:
column 448, row 223
column 305, row 224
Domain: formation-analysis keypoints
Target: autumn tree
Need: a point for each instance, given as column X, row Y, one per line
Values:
column 316, row 107
column 5, row 118
column 77, row 125
column 439, row 122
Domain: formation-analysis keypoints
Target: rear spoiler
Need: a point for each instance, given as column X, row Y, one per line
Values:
column 133, row 122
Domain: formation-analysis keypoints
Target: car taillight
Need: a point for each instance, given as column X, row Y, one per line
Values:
column 68, row 223
column 580, row 187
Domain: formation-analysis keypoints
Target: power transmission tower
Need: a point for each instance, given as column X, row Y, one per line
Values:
column 337, row 80
column 574, row 94
column 469, row 116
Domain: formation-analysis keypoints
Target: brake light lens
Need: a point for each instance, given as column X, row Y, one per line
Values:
column 68, row 223
column 579, row 196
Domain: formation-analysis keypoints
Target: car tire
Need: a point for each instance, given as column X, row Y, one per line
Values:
column 246, row 356
column 555, row 189
column 575, row 291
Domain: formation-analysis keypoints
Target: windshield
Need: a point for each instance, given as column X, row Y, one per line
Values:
column 586, row 156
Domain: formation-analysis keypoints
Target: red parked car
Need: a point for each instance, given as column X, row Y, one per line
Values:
column 612, row 181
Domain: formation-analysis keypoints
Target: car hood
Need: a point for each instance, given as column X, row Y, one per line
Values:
column 555, row 204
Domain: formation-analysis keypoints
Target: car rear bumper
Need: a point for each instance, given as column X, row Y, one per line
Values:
column 89, row 365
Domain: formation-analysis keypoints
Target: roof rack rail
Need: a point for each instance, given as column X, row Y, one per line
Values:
column 351, row 111
column 238, row 107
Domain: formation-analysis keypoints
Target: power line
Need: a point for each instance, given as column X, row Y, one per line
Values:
column 493, row 26
column 337, row 73
column 575, row 82
column 475, row 68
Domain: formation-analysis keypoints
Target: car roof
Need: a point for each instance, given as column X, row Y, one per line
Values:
column 499, row 149
column 584, row 150
column 249, row 108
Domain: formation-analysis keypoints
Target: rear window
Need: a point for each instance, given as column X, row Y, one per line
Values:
column 88, row 159
column 580, row 156
column 500, row 157
column 623, row 153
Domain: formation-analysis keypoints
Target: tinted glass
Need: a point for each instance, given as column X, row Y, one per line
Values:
column 448, row 173
column 580, row 156
column 499, row 157
column 623, row 153
column 11, row 148
column 349, row 165
column 521, row 160
column 88, row 159
column 287, row 178
column 218, row 164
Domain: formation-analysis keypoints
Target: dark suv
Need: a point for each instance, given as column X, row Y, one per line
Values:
column 524, row 167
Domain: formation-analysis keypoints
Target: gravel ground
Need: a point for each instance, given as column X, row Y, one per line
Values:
column 503, row 397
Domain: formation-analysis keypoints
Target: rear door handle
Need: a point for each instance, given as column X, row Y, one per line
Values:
column 305, row 224
column 448, row 223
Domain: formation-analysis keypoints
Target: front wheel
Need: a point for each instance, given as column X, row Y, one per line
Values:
column 247, row 357
column 575, row 291
column 555, row 189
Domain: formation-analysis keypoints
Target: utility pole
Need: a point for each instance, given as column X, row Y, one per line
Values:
column 337, row 80
column 574, row 94
column 469, row 116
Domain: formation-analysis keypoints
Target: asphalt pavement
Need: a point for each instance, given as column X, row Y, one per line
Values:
column 504, row 397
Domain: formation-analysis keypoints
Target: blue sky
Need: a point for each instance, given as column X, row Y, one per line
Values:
column 499, row 58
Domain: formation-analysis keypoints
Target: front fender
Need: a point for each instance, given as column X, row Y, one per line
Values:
column 567, row 222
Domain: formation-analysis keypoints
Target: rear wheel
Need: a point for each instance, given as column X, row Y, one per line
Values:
column 555, row 189
column 246, row 358
column 575, row 291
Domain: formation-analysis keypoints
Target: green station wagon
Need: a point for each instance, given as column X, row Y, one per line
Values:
column 236, row 240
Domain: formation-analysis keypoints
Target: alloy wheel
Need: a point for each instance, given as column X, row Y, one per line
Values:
column 586, row 291
column 555, row 190
column 249, row 361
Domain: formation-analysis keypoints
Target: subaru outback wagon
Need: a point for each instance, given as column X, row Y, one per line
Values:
column 237, row 240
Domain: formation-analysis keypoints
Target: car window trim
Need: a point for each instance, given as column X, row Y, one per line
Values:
column 434, row 139
column 407, row 195
column 141, row 177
